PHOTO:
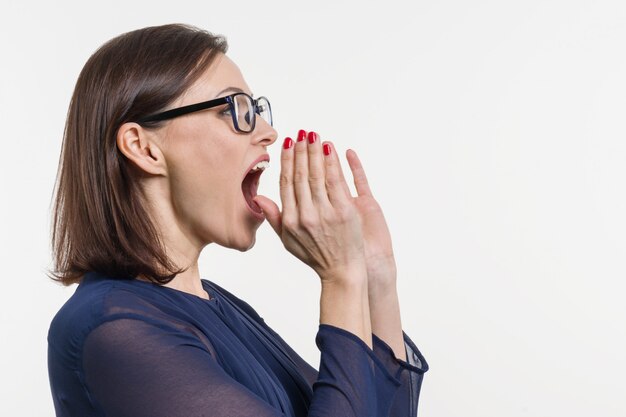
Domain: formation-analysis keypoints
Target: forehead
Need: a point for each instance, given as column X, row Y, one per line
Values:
column 221, row 74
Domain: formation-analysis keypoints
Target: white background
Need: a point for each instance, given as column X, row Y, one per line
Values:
column 492, row 133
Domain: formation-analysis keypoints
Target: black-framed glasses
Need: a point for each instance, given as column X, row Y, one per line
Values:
column 242, row 107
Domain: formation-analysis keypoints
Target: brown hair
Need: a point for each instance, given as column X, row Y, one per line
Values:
column 99, row 219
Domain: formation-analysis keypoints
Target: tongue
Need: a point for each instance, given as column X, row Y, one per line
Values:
column 249, row 187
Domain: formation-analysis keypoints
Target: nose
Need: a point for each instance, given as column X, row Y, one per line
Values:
column 264, row 133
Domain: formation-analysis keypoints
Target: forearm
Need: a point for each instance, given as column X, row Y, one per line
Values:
column 344, row 303
column 385, row 316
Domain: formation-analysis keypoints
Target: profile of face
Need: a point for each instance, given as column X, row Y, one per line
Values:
column 192, row 168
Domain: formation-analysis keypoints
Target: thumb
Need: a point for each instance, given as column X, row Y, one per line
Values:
column 271, row 211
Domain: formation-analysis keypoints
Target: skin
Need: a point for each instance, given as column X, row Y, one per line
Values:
column 383, row 303
column 191, row 172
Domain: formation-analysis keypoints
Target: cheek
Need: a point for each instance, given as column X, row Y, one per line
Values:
column 201, row 181
column 204, row 181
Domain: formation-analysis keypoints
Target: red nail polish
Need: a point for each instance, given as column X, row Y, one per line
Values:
column 287, row 144
column 301, row 135
column 326, row 149
column 312, row 137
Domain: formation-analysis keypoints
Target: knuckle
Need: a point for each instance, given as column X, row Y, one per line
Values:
column 330, row 217
column 300, row 175
column 345, row 213
column 309, row 222
column 289, row 223
column 315, row 177
column 284, row 180
column 332, row 181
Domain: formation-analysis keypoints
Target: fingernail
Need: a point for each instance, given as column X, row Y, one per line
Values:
column 326, row 149
column 287, row 144
column 301, row 135
column 312, row 137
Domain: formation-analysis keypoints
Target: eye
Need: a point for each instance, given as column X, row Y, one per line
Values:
column 225, row 111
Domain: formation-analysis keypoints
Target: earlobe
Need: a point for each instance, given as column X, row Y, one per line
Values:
column 136, row 145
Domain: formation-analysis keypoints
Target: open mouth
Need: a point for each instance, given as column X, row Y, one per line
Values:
column 249, row 187
column 250, row 183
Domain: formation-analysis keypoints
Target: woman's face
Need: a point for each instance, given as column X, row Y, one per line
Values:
column 207, row 160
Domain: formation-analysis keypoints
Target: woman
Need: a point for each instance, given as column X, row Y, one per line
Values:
column 158, row 160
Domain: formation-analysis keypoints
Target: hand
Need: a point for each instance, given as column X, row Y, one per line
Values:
column 319, row 223
column 381, row 264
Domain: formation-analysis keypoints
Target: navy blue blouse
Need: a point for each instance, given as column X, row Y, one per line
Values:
column 134, row 348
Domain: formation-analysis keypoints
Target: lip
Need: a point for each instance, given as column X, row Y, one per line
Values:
column 264, row 157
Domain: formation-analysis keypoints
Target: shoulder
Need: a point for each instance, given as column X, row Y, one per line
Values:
column 78, row 313
column 97, row 299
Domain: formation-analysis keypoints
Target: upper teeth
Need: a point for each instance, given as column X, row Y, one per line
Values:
column 261, row 165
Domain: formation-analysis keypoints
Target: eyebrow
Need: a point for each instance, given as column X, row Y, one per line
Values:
column 232, row 89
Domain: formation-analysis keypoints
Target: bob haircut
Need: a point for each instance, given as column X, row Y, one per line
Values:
column 100, row 220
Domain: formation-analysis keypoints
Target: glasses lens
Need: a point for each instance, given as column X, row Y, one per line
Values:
column 243, row 112
column 264, row 110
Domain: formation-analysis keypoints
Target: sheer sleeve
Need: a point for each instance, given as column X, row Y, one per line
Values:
column 409, row 372
column 350, row 368
column 137, row 368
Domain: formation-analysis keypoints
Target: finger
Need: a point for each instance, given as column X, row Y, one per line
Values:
column 344, row 183
column 317, row 174
column 287, row 192
column 335, row 184
column 358, row 173
column 301, row 174
column 271, row 211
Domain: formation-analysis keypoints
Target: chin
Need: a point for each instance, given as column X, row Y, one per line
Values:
column 248, row 246
column 246, row 243
column 251, row 245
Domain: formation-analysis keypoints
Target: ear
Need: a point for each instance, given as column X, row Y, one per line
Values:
column 139, row 146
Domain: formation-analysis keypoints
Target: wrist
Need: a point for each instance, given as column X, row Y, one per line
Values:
column 352, row 275
column 382, row 283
